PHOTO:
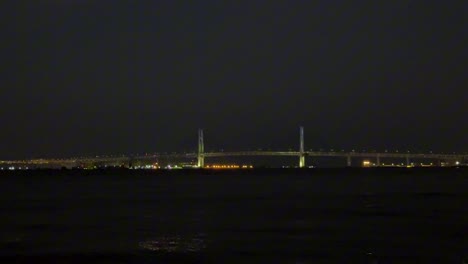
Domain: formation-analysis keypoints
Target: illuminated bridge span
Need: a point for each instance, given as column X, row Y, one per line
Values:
column 201, row 155
column 348, row 155
column 301, row 154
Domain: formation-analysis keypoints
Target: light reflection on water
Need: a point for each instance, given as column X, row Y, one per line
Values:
column 174, row 244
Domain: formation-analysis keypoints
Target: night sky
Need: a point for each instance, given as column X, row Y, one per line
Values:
column 91, row 77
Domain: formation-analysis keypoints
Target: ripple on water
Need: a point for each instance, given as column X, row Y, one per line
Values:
column 174, row 244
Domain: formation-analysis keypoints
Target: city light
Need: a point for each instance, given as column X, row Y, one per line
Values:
column 228, row 166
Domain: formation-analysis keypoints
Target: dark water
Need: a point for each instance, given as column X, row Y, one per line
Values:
column 272, row 216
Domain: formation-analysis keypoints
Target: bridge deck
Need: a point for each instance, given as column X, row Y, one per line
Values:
column 403, row 155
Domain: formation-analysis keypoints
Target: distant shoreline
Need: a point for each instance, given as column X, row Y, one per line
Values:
column 256, row 171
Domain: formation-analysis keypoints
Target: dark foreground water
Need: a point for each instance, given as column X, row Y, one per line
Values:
column 270, row 216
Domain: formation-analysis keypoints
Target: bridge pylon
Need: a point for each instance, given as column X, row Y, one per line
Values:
column 201, row 150
column 301, row 148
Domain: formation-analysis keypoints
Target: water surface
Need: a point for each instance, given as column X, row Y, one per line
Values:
column 268, row 216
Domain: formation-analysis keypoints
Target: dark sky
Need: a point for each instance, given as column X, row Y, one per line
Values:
column 87, row 77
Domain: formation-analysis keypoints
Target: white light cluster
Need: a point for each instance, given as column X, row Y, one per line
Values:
column 146, row 167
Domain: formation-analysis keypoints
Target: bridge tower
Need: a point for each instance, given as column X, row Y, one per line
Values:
column 301, row 148
column 201, row 150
